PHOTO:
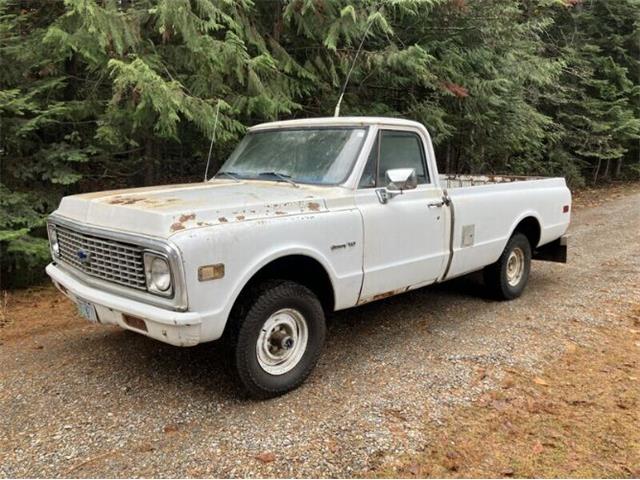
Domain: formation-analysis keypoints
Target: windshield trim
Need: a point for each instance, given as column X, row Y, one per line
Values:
column 349, row 171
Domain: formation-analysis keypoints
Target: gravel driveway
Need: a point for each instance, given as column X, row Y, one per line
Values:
column 80, row 400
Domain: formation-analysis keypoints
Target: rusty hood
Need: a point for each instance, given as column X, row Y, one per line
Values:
column 166, row 210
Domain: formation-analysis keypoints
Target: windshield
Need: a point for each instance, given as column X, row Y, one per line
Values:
column 320, row 155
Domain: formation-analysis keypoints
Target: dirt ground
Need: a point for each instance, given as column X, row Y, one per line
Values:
column 579, row 418
column 439, row 382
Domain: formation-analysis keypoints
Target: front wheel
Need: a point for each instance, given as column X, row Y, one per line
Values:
column 507, row 278
column 279, row 331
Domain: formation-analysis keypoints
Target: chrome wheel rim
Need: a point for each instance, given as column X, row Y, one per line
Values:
column 282, row 341
column 515, row 266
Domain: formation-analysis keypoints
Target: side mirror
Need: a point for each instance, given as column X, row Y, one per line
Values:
column 398, row 180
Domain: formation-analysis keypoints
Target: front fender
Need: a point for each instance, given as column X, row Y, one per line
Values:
column 246, row 247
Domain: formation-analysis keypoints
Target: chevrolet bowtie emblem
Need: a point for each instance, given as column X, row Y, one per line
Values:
column 83, row 256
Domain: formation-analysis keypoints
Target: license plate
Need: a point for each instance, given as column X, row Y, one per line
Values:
column 87, row 310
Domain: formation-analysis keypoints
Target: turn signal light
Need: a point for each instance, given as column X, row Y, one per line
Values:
column 211, row 272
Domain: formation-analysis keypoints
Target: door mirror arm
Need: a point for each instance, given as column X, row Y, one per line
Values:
column 384, row 194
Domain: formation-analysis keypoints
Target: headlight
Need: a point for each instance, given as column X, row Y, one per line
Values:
column 158, row 274
column 53, row 241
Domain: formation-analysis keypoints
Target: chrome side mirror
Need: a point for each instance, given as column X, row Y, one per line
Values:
column 398, row 180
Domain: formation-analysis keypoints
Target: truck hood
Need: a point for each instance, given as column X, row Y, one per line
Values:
column 166, row 210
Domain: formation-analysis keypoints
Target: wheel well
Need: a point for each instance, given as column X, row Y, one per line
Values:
column 300, row 269
column 530, row 227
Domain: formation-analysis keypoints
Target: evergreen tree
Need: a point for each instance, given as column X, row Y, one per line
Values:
column 597, row 104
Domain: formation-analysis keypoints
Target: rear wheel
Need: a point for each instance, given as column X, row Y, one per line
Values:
column 278, row 334
column 507, row 278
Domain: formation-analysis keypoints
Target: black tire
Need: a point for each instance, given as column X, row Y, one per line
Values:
column 496, row 277
column 248, row 319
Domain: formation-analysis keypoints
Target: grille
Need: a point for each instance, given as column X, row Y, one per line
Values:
column 109, row 260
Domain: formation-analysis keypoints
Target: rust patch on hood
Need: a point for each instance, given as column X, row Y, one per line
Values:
column 179, row 225
column 223, row 220
column 148, row 202
column 240, row 217
column 126, row 200
column 314, row 206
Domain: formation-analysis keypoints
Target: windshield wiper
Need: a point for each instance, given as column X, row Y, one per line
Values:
column 228, row 174
column 282, row 176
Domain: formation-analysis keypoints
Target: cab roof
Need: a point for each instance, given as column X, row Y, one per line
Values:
column 336, row 122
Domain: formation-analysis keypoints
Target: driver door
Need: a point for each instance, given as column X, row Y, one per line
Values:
column 405, row 238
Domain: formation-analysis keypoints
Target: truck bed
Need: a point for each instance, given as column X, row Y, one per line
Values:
column 451, row 181
column 486, row 209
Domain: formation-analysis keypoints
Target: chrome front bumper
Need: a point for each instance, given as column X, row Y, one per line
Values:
column 176, row 328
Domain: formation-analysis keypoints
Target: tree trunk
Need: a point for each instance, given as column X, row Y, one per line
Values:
column 595, row 173
column 447, row 166
column 605, row 175
column 278, row 24
column 618, row 171
column 149, row 162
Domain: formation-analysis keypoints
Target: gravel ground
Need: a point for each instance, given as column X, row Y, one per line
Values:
column 81, row 400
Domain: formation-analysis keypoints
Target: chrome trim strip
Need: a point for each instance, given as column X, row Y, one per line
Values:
column 179, row 301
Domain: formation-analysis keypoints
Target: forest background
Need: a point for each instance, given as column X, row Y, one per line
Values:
column 119, row 93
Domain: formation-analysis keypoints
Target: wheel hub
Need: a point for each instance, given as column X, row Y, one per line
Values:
column 282, row 341
column 515, row 266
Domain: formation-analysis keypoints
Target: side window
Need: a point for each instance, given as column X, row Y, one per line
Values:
column 401, row 150
column 368, row 178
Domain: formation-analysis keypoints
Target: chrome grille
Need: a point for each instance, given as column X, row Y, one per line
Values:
column 109, row 260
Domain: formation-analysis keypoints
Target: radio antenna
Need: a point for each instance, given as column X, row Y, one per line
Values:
column 213, row 136
column 336, row 113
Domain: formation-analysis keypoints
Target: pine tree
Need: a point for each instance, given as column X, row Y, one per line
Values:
column 597, row 104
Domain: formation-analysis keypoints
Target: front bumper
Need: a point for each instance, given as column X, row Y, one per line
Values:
column 182, row 329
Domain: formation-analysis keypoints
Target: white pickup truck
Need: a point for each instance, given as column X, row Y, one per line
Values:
column 306, row 217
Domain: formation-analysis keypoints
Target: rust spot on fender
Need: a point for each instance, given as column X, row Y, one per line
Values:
column 314, row 206
column 388, row 294
column 383, row 295
column 223, row 220
column 186, row 217
column 177, row 226
column 240, row 217
column 280, row 213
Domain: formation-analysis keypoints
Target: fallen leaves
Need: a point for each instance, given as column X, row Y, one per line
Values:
column 266, row 457
column 540, row 381
column 537, row 448
column 170, row 428
column 508, row 472
column 585, row 403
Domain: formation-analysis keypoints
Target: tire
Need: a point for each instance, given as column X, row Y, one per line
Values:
column 277, row 334
column 507, row 278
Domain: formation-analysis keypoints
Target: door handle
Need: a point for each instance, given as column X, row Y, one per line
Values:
column 435, row 204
